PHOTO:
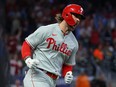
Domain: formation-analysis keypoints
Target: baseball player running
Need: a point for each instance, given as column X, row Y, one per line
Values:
column 50, row 51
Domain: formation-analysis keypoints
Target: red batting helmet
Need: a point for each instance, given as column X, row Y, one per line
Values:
column 72, row 9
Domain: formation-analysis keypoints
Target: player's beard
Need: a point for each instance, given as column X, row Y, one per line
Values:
column 72, row 28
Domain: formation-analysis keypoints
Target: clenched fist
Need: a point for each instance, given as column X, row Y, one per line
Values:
column 68, row 77
column 31, row 63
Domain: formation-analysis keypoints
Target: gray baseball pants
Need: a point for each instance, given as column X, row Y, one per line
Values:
column 37, row 78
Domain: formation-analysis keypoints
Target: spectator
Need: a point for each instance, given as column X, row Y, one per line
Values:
column 95, row 38
column 15, row 67
column 98, row 53
column 83, row 80
column 100, row 80
column 98, row 83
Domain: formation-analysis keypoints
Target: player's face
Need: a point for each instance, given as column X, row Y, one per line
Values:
column 77, row 21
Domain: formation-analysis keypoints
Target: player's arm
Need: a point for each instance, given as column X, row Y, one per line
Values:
column 67, row 73
column 26, row 52
column 66, row 68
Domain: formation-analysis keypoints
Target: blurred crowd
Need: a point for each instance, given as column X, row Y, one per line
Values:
column 96, row 34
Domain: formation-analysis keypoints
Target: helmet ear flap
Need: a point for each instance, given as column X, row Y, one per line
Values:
column 67, row 13
column 69, row 19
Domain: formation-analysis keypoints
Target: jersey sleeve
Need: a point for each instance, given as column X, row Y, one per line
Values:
column 36, row 37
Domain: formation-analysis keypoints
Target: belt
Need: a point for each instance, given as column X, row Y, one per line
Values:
column 53, row 76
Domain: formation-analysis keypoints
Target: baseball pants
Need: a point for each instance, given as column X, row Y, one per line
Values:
column 37, row 78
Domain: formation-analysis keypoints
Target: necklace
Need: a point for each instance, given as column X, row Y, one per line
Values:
column 65, row 33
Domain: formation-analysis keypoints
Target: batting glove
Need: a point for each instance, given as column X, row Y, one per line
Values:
column 68, row 77
column 31, row 63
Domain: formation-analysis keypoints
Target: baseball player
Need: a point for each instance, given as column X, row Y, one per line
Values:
column 50, row 51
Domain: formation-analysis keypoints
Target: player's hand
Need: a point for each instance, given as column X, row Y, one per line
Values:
column 31, row 63
column 68, row 77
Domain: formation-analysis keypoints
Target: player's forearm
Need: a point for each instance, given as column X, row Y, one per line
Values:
column 66, row 68
column 26, row 50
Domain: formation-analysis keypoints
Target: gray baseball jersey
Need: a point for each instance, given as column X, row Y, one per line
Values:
column 52, row 48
